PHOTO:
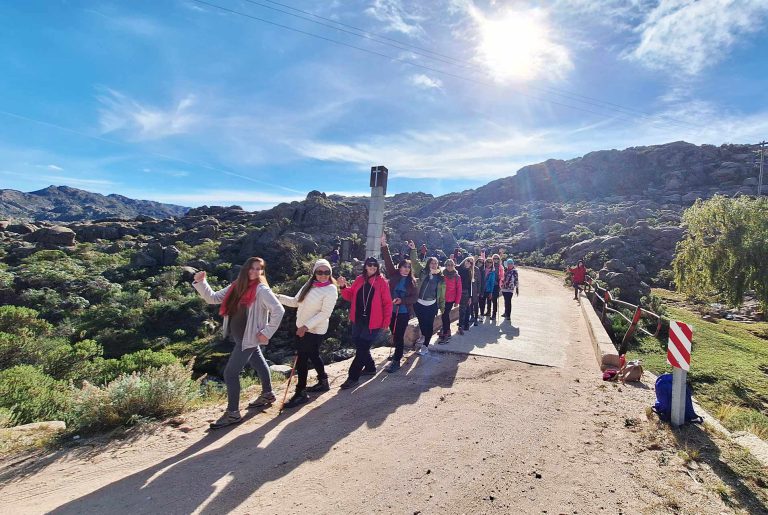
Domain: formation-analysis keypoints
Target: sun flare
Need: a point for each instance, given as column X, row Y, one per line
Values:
column 518, row 46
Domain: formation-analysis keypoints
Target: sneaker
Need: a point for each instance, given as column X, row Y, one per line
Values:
column 446, row 336
column 266, row 399
column 394, row 367
column 349, row 383
column 227, row 419
column 298, row 399
column 321, row 386
column 476, row 323
column 424, row 350
column 368, row 372
column 461, row 330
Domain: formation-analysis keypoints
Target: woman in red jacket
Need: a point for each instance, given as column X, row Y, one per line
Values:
column 452, row 297
column 370, row 313
column 578, row 278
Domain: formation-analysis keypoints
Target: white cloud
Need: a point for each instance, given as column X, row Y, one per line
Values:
column 425, row 82
column 60, row 180
column 691, row 35
column 395, row 17
column 141, row 122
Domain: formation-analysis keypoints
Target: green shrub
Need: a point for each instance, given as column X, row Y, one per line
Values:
column 154, row 393
column 32, row 396
column 22, row 321
column 134, row 362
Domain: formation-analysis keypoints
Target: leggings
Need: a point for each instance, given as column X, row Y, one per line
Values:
column 398, row 325
column 308, row 349
column 236, row 363
column 446, row 318
column 363, row 338
column 492, row 300
column 481, row 305
column 426, row 316
column 507, row 303
column 465, row 306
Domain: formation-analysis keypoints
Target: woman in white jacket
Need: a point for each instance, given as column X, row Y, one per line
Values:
column 315, row 301
column 251, row 314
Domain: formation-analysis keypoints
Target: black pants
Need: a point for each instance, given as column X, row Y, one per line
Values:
column 492, row 301
column 308, row 348
column 507, row 303
column 363, row 338
column 446, row 318
column 426, row 316
column 465, row 306
column 481, row 306
column 398, row 325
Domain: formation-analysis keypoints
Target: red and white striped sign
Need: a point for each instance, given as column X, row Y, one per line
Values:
column 679, row 346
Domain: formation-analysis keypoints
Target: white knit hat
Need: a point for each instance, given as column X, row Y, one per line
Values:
column 321, row 262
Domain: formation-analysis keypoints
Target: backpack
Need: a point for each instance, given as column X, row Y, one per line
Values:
column 631, row 371
column 663, row 405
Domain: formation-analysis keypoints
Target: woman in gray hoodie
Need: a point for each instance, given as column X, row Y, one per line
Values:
column 251, row 314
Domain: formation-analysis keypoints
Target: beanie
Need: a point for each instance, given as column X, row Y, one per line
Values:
column 319, row 263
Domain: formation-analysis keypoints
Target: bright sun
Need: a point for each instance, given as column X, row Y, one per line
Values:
column 518, row 47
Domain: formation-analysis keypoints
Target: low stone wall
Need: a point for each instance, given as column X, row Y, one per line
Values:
column 605, row 351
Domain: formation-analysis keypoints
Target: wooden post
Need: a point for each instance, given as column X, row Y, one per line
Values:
column 630, row 331
column 606, row 300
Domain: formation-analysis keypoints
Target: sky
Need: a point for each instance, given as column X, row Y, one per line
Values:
column 257, row 102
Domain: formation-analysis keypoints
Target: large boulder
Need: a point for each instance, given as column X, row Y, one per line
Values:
column 616, row 275
column 155, row 255
column 21, row 228
column 56, row 236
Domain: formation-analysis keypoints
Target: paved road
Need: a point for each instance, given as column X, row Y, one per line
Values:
column 537, row 332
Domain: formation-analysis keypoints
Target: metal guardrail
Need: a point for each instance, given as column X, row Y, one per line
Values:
column 599, row 295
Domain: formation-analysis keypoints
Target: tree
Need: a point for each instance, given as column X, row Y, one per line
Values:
column 725, row 249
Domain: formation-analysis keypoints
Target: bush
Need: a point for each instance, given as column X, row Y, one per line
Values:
column 21, row 321
column 32, row 396
column 155, row 393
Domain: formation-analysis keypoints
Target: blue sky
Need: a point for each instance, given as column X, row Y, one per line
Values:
column 181, row 101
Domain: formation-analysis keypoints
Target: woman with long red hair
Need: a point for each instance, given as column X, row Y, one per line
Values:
column 251, row 314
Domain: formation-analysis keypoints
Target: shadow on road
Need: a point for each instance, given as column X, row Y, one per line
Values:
column 222, row 478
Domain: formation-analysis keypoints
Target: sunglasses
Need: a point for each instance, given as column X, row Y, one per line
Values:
column 373, row 265
column 323, row 272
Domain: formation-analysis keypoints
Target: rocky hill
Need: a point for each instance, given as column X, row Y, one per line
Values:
column 605, row 205
column 65, row 204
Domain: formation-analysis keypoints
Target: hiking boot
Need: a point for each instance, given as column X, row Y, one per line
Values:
column 394, row 366
column 321, row 386
column 298, row 399
column 227, row 419
column 447, row 335
column 368, row 372
column 349, row 383
column 476, row 323
column 265, row 400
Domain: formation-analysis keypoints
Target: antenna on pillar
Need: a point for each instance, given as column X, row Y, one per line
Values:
column 379, row 175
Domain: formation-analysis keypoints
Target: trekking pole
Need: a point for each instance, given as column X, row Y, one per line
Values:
column 394, row 330
column 288, row 386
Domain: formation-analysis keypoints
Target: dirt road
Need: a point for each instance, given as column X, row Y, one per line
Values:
column 449, row 433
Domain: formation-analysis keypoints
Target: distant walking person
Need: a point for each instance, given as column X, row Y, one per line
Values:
column 315, row 302
column 578, row 277
column 452, row 297
column 509, row 285
column 431, row 296
column 370, row 313
column 402, row 287
column 467, row 275
column 251, row 314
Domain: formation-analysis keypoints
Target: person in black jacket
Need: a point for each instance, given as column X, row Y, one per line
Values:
column 467, row 274
column 402, row 286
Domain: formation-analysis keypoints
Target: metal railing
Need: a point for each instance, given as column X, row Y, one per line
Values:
column 603, row 302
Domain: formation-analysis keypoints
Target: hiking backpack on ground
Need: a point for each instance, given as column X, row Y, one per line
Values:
column 663, row 405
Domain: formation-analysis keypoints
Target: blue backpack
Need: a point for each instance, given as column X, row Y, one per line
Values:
column 663, row 406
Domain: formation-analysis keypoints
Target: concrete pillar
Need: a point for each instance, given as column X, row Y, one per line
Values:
column 678, row 396
column 376, row 211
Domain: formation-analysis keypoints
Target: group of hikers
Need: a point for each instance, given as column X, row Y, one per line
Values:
column 412, row 287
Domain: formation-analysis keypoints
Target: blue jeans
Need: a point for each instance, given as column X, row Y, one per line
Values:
column 363, row 338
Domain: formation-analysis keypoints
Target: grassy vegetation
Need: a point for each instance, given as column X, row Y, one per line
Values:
column 729, row 368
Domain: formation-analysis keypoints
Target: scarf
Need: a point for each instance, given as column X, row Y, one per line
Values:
column 318, row 284
column 246, row 300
